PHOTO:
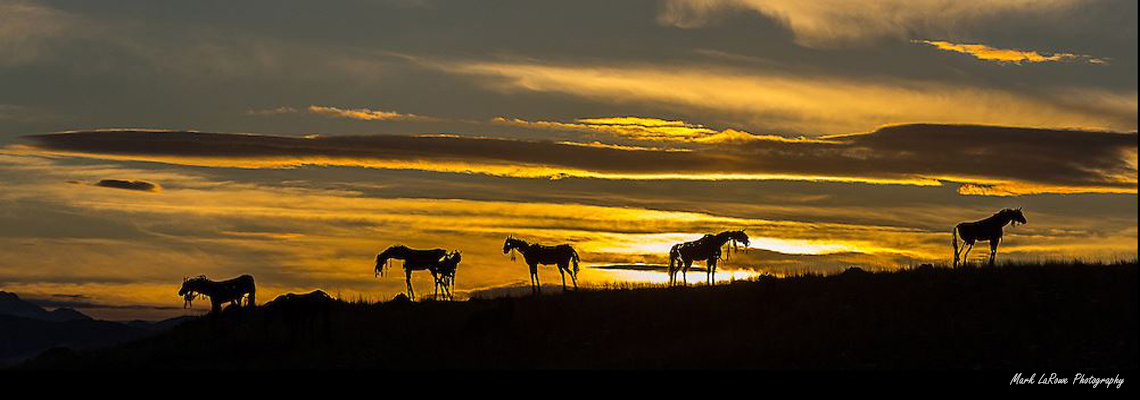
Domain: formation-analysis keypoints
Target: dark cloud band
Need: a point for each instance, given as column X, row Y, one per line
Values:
column 1000, row 159
column 129, row 185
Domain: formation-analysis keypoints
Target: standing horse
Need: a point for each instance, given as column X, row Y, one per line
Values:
column 682, row 255
column 414, row 260
column 231, row 291
column 444, row 274
column 988, row 229
column 535, row 254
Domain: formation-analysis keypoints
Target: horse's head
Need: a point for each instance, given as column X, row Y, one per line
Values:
column 1016, row 217
column 453, row 258
column 511, row 243
column 380, row 260
column 191, row 287
column 450, row 263
column 384, row 256
column 739, row 236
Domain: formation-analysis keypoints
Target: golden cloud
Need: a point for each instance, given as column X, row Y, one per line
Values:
column 828, row 23
column 365, row 114
column 1009, row 56
column 361, row 114
column 806, row 104
column 652, row 129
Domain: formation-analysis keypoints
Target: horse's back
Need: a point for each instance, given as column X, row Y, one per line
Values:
column 432, row 255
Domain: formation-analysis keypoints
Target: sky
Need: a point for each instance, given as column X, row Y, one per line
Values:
column 142, row 141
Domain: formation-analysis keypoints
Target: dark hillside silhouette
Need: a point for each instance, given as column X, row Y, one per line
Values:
column 1052, row 316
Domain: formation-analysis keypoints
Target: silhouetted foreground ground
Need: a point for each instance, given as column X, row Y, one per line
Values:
column 1071, row 316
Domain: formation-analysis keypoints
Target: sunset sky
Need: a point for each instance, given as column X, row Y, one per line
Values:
column 145, row 141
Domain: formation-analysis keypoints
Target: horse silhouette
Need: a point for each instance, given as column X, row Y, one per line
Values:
column 229, row 291
column 535, row 254
column 682, row 255
column 418, row 260
column 444, row 274
column 989, row 229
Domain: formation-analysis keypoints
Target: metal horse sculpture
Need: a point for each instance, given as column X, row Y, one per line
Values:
column 444, row 274
column 418, row 260
column 988, row 229
column 535, row 254
column 682, row 255
column 231, row 291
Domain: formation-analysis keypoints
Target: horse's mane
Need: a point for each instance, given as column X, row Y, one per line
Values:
column 191, row 295
column 397, row 247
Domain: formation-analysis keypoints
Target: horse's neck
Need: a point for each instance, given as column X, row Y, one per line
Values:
column 205, row 287
column 999, row 220
column 720, row 239
column 400, row 253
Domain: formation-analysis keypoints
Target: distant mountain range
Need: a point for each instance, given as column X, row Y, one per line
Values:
column 12, row 304
column 26, row 329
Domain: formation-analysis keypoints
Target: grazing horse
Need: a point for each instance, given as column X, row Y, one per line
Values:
column 535, row 254
column 414, row 260
column 682, row 255
column 988, row 229
column 231, row 291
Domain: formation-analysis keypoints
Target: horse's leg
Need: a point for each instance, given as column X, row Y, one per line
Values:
column 954, row 244
column 574, row 278
column 562, row 271
column 532, row 285
column 711, row 273
column 685, row 272
column 993, row 250
column 537, row 283
column 436, row 280
column 966, row 255
column 408, row 281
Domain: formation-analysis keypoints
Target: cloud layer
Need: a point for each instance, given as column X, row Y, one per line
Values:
column 989, row 160
column 823, row 23
column 799, row 102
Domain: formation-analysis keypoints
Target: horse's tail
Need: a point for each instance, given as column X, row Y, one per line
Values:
column 954, row 244
column 674, row 256
column 575, row 259
column 252, row 292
